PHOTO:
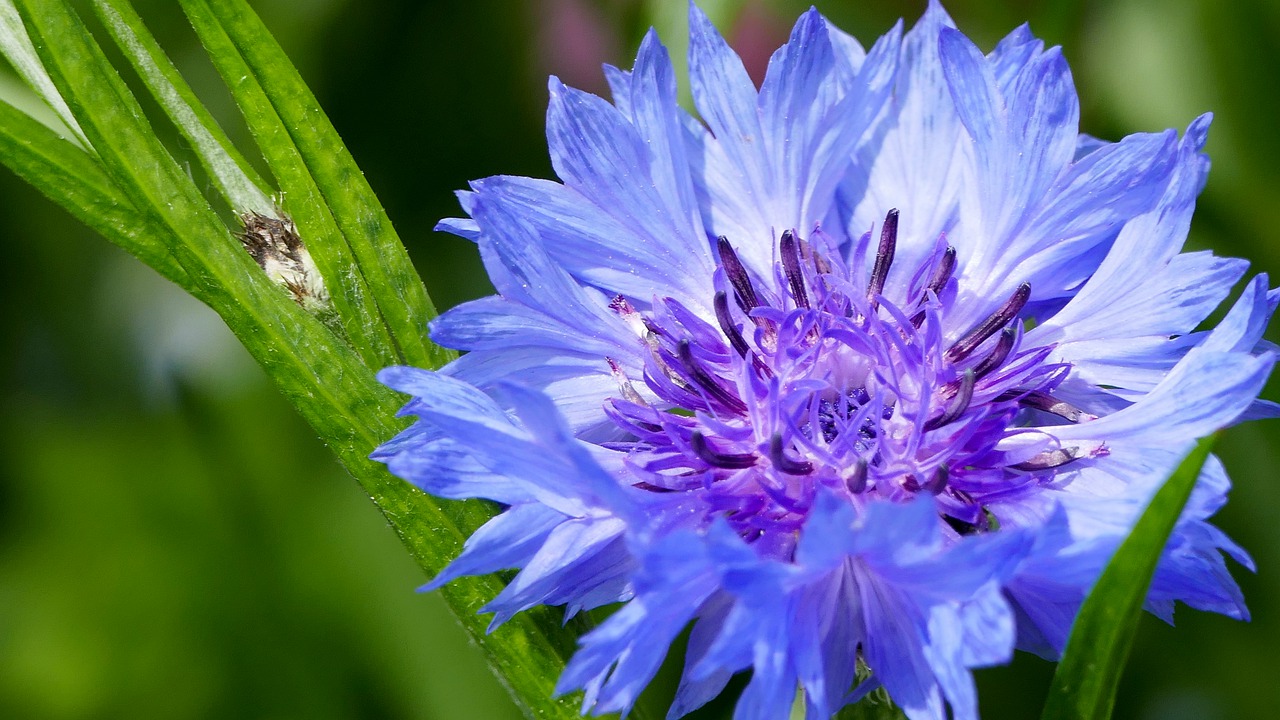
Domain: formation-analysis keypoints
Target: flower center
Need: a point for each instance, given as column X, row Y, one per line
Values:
column 827, row 382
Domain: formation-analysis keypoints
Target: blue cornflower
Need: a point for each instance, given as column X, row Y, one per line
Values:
column 864, row 374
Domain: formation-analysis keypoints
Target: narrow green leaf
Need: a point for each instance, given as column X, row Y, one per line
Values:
column 1084, row 686
column 73, row 179
column 353, row 299
column 16, row 46
column 240, row 183
column 331, row 387
column 382, row 258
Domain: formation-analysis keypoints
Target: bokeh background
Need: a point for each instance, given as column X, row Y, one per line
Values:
column 174, row 541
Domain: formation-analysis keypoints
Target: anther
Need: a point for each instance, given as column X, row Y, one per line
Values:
column 791, row 267
column 942, row 273
column 1049, row 459
column 727, row 461
column 730, row 330
column 785, row 464
column 652, row 488
column 985, row 329
column 820, row 264
column 958, row 404
column 743, row 291
column 938, row 482
column 706, row 382
column 1045, row 402
column 998, row 354
column 856, row 481
column 884, row 257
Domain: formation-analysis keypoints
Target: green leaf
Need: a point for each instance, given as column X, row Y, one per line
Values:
column 73, row 179
column 21, row 54
column 358, row 315
column 239, row 182
column 381, row 258
column 333, row 390
column 128, row 148
column 1084, row 686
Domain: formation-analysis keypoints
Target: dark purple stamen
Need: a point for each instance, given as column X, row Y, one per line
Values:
column 1049, row 459
column 1045, row 402
column 730, row 330
column 958, row 404
column 705, row 381
column 728, row 461
column 820, row 264
column 938, row 482
column 884, row 257
column 743, row 291
column 942, row 273
column 857, row 482
column 985, row 329
column 785, row 464
column 998, row 354
column 791, row 267
column 653, row 488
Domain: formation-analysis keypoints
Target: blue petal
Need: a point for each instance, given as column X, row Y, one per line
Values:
column 576, row 557
column 832, row 623
column 1012, row 54
column 896, row 631
column 916, row 165
column 509, row 540
column 1087, row 205
column 693, row 692
column 777, row 156
column 579, row 382
column 1244, row 324
column 726, row 99
column 439, row 466
column 1204, row 392
column 495, row 323
column 597, row 152
column 592, row 245
column 523, row 272
column 619, row 89
column 1147, row 245
column 657, row 119
column 619, row 657
column 1022, row 136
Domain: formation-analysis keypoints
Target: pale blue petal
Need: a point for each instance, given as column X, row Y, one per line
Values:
column 1204, row 392
column 592, row 245
column 917, row 165
column 509, row 540
column 495, row 323
column 597, row 152
column 894, row 650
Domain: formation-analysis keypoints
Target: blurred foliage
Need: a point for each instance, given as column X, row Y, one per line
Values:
column 216, row 562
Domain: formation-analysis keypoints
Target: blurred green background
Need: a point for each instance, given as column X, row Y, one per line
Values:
column 174, row 542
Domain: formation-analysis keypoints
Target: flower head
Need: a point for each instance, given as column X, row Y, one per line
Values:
column 876, row 364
